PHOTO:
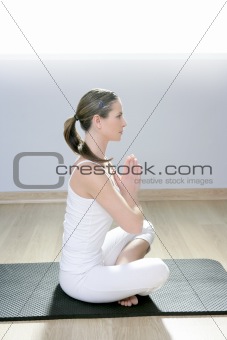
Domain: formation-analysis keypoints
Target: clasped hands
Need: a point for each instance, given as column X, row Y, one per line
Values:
column 128, row 180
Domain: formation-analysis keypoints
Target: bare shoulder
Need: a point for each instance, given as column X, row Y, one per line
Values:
column 100, row 187
column 90, row 180
column 82, row 178
column 87, row 178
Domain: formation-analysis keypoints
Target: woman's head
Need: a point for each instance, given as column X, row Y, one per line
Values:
column 96, row 102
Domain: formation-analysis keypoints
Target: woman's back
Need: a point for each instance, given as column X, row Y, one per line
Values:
column 85, row 226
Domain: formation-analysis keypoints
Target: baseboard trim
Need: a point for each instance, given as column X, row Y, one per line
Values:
column 144, row 195
column 183, row 194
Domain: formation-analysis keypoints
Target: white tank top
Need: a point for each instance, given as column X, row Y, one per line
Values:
column 85, row 226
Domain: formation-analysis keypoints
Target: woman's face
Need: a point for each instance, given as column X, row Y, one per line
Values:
column 112, row 127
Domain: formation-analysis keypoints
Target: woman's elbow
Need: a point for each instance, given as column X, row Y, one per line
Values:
column 137, row 226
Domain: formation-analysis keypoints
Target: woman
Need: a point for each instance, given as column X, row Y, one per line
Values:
column 98, row 265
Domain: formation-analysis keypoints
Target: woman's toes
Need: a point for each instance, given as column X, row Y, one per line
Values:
column 134, row 300
column 128, row 302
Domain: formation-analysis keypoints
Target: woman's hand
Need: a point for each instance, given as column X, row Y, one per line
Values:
column 129, row 181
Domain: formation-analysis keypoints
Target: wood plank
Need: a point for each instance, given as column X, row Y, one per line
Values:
column 144, row 195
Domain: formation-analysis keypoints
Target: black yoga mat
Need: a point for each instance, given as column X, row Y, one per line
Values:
column 31, row 292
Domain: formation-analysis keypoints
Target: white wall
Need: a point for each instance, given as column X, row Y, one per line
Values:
column 189, row 127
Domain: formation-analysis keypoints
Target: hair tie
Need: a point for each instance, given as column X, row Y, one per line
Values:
column 76, row 118
column 101, row 104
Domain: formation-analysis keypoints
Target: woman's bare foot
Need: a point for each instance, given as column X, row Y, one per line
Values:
column 128, row 302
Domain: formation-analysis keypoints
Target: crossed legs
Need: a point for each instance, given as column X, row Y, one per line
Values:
column 133, row 251
column 122, row 248
column 124, row 272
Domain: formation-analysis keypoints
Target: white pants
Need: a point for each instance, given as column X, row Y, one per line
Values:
column 110, row 282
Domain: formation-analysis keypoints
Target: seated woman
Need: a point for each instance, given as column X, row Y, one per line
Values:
column 100, row 265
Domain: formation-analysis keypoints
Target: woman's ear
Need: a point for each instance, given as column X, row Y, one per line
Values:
column 97, row 121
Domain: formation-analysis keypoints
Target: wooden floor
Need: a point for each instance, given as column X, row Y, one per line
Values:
column 185, row 229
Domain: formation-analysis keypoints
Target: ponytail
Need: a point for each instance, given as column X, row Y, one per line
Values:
column 72, row 137
column 75, row 142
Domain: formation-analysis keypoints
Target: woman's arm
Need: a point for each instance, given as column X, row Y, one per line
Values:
column 123, row 206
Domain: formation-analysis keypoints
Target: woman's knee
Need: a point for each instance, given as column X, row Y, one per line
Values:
column 163, row 273
column 157, row 275
column 148, row 232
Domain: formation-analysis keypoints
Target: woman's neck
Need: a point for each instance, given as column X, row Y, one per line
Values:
column 96, row 144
